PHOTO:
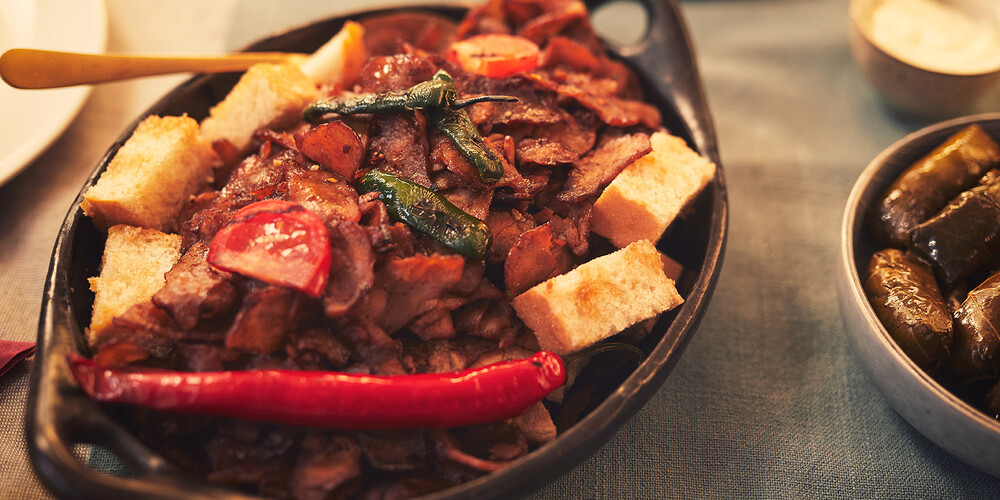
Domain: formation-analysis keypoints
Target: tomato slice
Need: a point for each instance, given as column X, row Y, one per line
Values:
column 495, row 55
column 275, row 241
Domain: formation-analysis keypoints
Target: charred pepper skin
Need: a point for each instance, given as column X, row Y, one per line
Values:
column 429, row 213
column 456, row 125
column 439, row 98
column 347, row 401
column 432, row 93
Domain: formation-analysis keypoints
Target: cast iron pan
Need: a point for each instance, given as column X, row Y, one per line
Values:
column 61, row 416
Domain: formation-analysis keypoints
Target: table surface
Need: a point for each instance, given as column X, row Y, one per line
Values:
column 768, row 399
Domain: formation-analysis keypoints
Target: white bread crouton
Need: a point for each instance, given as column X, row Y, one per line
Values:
column 267, row 95
column 132, row 269
column 339, row 61
column 649, row 193
column 598, row 299
column 152, row 175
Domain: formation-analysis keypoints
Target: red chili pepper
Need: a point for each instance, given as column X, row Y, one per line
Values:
column 335, row 400
column 275, row 241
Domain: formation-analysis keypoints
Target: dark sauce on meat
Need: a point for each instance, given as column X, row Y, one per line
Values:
column 397, row 302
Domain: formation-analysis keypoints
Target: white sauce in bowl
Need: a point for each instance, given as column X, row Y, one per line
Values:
column 938, row 35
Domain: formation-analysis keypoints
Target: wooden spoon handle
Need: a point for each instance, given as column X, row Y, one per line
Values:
column 44, row 69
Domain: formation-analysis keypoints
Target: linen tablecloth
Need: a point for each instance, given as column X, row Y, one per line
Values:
column 768, row 401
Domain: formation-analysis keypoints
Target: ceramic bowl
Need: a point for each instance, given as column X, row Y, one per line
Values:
column 938, row 414
column 918, row 89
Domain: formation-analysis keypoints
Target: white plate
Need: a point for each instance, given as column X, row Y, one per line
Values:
column 33, row 119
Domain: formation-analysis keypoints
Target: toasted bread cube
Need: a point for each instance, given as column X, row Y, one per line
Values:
column 339, row 61
column 152, row 175
column 132, row 269
column 649, row 193
column 598, row 299
column 267, row 95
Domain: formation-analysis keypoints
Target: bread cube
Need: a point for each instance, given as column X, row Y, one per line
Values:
column 339, row 61
column 649, row 193
column 267, row 95
column 152, row 175
column 132, row 268
column 598, row 299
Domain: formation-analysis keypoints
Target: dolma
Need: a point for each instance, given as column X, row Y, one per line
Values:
column 973, row 355
column 956, row 296
column 964, row 235
column 905, row 296
column 927, row 185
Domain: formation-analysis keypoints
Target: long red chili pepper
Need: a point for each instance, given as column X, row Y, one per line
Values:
column 335, row 400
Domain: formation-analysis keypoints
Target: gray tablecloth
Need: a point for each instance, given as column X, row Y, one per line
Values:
column 768, row 400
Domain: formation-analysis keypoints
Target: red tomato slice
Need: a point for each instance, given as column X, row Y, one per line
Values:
column 275, row 241
column 495, row 55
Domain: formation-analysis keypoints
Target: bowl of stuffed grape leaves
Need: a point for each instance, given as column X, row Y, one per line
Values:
column 919, row 282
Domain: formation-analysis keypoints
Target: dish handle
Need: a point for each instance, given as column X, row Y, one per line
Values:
column 61, row 418
column 673, row 71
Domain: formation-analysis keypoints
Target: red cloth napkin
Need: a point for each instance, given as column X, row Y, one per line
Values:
column 12, row 352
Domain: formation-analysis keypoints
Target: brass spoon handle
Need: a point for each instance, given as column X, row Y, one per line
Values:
column 45, row 69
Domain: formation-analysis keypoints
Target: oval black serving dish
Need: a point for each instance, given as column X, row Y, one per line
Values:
column 61, row 416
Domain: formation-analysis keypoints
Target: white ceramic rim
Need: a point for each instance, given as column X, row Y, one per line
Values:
column 854, row 9
column 87, row 32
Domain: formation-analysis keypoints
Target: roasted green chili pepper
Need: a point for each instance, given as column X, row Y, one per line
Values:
column 420, row 96
column 457, row 126
column 434, row 93
column 429, row 213
column 438, row 97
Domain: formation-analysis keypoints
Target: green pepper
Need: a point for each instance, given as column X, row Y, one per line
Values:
column 434, row 93
column 429, row 213
column 457, row 126
column 438, row 97
column 420, row 96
